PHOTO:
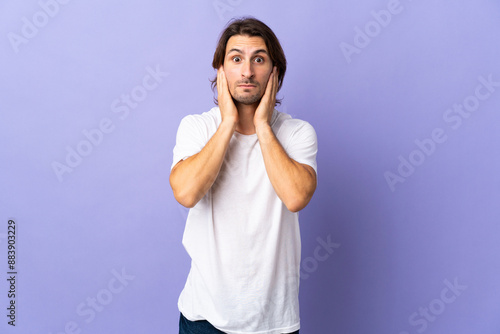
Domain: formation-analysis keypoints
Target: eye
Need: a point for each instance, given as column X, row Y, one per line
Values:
column 236, row 59
column 259, row 60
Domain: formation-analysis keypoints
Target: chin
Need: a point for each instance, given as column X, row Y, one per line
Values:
column 247, row 100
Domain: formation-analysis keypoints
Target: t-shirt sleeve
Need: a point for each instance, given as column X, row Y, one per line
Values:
column 302, row 145
column 192, row 136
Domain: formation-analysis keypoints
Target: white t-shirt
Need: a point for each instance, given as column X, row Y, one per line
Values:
column 243, row 242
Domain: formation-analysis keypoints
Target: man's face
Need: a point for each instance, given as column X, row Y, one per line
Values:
column 247, row 66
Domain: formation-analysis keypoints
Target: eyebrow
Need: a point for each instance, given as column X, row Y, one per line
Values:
column 239, row 51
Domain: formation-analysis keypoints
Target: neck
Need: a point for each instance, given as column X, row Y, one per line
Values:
column 246, row 114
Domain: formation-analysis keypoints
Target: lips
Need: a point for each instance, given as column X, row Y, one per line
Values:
column 246, row 86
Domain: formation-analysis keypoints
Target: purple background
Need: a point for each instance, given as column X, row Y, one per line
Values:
column 395, row 248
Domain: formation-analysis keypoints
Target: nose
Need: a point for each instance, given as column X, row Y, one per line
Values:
column 247, row 70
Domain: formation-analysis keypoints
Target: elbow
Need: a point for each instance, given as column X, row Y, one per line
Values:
column 182, row 195
column 299, row 199
column 294, row 208
column 297, row 203
column 185, row 199
column 301, row 195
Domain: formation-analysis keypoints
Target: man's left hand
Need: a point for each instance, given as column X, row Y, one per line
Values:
column 265, row 109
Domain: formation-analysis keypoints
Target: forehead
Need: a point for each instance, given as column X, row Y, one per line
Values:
column 246, row 44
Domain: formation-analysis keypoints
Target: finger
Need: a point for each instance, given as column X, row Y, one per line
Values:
column 270, row 82
column 270, row 93
column 224, row 81
column 226, row 85
column 222, row 88
column 219, row 73
column 275, row 79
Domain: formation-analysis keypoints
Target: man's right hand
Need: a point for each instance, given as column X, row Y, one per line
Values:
column 228, row 110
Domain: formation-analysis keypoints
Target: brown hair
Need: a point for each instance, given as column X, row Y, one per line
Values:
column 249, row 26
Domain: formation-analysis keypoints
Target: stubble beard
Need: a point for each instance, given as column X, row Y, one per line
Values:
column 245, row 98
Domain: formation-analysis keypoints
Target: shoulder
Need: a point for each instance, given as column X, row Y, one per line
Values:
column 285, row 125
column 209, row 119
column 204, row 124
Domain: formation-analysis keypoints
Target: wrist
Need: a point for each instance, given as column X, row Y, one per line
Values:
column 264, row 130
column 262, row 125
column 228, row 124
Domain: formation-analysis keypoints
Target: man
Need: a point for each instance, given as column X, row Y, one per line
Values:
column 245, row 170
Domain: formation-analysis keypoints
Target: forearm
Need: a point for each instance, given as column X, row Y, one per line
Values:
column 191, row 179
column 293, row 182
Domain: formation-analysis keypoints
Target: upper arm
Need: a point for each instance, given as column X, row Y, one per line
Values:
column 192, row 135
column 299, row 140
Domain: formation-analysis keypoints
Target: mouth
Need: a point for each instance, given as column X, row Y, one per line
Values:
column 246, row 86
